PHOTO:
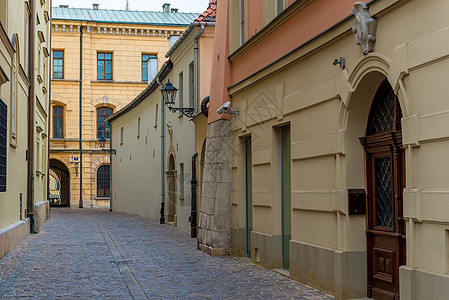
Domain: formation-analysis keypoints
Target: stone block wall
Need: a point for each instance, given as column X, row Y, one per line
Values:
column 214, row 230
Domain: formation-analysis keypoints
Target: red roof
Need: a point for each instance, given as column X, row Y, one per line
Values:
column 209, row 14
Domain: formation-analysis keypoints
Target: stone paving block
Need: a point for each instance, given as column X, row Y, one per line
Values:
column 96, row 254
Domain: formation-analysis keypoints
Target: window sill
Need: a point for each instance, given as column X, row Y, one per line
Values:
column 13, row 143
column 118, row 82
column 66, row 80
column 102, row 198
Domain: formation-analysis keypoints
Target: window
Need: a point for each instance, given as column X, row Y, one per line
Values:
column 38, row 155
column 3, row 141
column 103, row 128
column 149, row 67
column 181, row 91
column 191, row 86
column 279, row 7
column 103, row 182
column 242, row 22
column 58, row 64
column 27, row 38
column 121, row 136
column 138, row 127
column 181, row 181
column 57, row 122
column 155, row 115
column 104, row 66
column 14, row 90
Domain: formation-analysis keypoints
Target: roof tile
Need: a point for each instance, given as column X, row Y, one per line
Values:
column 209, row 14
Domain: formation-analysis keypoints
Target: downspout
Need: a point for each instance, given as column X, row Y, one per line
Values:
column 48, row 120
column 81, row 115
column 110, row 168
column 31, row 96
column 162, row 220
column 196, row 63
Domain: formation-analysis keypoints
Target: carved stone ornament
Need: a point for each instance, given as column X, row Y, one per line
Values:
column 364, row 28
column 170, row 132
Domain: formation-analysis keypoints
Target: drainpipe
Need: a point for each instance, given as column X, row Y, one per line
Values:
column 110, row 168
column 196, row 63
column 81, row 115
column 31, row 101
column 49, row 109
column 162, row 220
column 194, row 183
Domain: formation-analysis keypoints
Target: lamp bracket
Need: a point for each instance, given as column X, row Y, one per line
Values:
column 186, row 111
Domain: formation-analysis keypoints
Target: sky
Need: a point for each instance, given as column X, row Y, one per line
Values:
column 197, row 6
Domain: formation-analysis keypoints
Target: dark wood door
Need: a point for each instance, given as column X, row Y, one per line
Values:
column 385, row 174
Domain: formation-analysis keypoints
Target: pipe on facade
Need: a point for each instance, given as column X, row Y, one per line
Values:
column 49, row 110
column 110, row 169
column 162, row 219
column 193, row 212
column 81, row 116
column 196, row 63
column 31, row 96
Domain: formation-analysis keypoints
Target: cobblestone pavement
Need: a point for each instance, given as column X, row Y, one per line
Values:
column 92, row 253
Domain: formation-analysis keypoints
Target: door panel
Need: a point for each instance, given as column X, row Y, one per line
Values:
column 286, row 196
column 385, row 177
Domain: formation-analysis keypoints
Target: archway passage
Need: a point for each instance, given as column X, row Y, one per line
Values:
column 385, row 177
column 171, row 178
column 62, row 176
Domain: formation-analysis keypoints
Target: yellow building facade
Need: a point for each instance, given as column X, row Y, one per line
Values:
column 24, row 93
column 120, row 50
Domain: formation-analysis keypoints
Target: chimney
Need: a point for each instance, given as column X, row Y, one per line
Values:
column 174, row 10
column 166, row 7
column 95, row 5
column 63, row 6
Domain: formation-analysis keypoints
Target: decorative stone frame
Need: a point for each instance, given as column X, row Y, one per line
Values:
column 94, row 165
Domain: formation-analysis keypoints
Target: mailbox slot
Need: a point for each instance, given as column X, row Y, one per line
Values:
column 357, row 201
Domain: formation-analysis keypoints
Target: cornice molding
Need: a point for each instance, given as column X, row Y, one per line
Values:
column 114, row 30
column 269, row 28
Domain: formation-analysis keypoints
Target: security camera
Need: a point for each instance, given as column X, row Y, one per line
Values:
column 224, row 108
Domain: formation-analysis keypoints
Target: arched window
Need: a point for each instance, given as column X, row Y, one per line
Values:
column 103, row 128
column 103, row 186
column 58, row 120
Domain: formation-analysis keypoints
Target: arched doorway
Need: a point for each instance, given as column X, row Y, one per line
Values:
column 62, row 176
column 385, row 181
column 171, row 186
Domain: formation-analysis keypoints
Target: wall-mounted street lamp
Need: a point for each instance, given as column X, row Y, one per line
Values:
column 102, row 141
column 169, row 96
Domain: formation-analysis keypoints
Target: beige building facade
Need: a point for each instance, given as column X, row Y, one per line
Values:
column 339, row 172
column 120, row 50
column 24, row 88
column 160, row 144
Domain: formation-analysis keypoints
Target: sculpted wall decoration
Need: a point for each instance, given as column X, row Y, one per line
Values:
column 364, row 28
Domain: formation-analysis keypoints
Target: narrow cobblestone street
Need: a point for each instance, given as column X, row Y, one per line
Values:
column 92, row 253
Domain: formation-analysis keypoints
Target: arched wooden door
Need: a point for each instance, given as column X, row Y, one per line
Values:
column 171, row 178
column 385, row 174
